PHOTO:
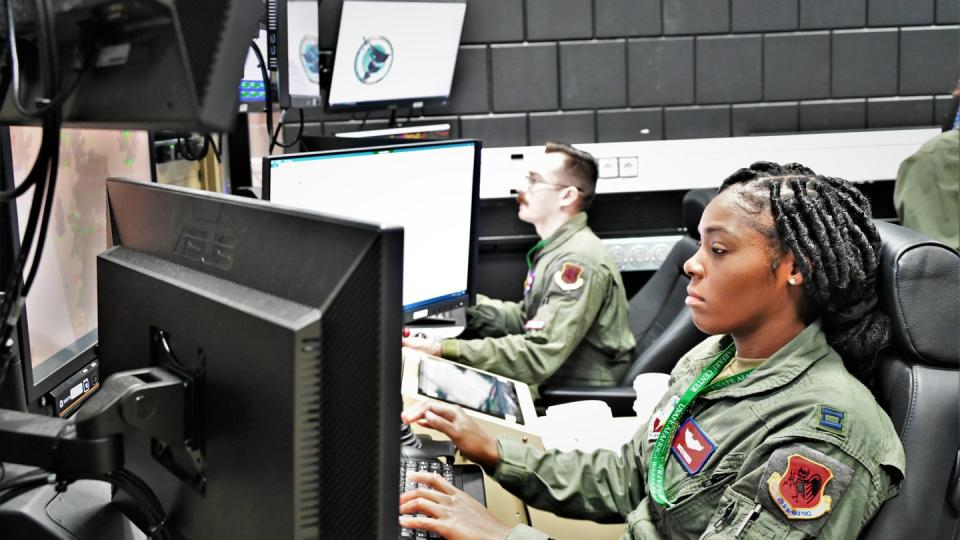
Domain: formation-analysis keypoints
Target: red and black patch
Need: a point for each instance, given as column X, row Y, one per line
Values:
column 570, row 277
column 802, row 486
column 799, row 491
column 570, row 273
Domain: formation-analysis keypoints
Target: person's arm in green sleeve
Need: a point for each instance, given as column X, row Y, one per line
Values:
column 822, row 493
column 601, row 486
column 557, row 328
column 494, row 318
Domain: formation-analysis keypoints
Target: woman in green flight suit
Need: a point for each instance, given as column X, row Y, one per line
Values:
column 766, row 430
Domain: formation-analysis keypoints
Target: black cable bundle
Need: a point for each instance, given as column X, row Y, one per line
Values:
column 43, row 175
column 272, row 134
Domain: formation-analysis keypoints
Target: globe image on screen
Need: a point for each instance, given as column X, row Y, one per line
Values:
column 373, row 60
column 310, row 57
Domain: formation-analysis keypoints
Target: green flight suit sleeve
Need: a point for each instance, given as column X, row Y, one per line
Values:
column 534, row 355
column 926, row 193
column 855, row 496
column 494, row 318
column 601, row 486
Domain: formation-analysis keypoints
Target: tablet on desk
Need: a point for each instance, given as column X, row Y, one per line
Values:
column 469, row 388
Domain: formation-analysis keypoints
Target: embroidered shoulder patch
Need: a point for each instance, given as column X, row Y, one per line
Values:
column 569, row 277
column 803, row 485
column 800, row 491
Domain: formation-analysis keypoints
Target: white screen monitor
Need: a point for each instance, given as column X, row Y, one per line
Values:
column 297, row 53
column 395, row 53
column 431, row 189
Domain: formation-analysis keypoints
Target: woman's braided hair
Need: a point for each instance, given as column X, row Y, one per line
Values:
column 826, row 223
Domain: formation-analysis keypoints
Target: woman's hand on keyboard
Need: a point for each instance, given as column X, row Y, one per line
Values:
column 473, row 442
column 444, row 509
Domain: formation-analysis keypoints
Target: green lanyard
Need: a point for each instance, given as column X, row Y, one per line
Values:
column 538, row 245
column 661, row 449
column 528, row 281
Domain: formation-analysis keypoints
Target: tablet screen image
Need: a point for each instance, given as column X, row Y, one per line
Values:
column 470, row 389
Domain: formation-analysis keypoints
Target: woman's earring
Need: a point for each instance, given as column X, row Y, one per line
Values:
column 792, row 281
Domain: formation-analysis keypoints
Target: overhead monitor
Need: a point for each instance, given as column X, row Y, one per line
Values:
column 285, row 325
column 296, row 54
column 149, row 65
column 429, row 188
column 395, row 53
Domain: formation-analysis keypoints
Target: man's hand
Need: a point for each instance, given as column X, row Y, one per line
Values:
column 448, row 511
column 423, row 345
column 466, row 435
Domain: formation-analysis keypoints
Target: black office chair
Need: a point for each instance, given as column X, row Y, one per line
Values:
column 918, row 383
column 659, row 319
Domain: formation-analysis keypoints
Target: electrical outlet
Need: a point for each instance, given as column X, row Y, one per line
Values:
column 640, row 253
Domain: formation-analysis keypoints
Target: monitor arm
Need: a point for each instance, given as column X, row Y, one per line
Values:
column 52, row 444
column 150, row 400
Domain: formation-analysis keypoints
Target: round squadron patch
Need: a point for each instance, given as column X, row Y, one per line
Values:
column 569, row 277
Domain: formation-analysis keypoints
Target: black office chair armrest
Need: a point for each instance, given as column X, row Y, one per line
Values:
column 619, row 398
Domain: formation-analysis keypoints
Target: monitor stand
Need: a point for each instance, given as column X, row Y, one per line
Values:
column 433, row 321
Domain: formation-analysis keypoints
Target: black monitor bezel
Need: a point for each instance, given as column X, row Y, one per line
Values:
column 413, row 103
column 442, row 306
column 175, row 206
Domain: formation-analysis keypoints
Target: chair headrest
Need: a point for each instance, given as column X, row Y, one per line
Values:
column 920, row 290
column 693, row 204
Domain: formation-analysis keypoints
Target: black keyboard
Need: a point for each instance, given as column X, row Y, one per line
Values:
column 411, row 464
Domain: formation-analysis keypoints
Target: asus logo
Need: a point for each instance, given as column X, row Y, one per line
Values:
column 207, row 247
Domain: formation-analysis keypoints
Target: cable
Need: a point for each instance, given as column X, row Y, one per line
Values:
column 12, row 300
column 275, row 139
column 272, row 134
column 45, row 221
column 37, row 172
column 42, row 177
column 183, row 147
column 215, row 146
column 48, row 63
column 47, row 159
column 268, row 99
column 51, row 105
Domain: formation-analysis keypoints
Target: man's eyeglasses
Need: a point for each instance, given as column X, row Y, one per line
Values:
column 534, row 180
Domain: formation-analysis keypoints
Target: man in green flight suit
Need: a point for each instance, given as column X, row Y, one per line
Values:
column 571, row 327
